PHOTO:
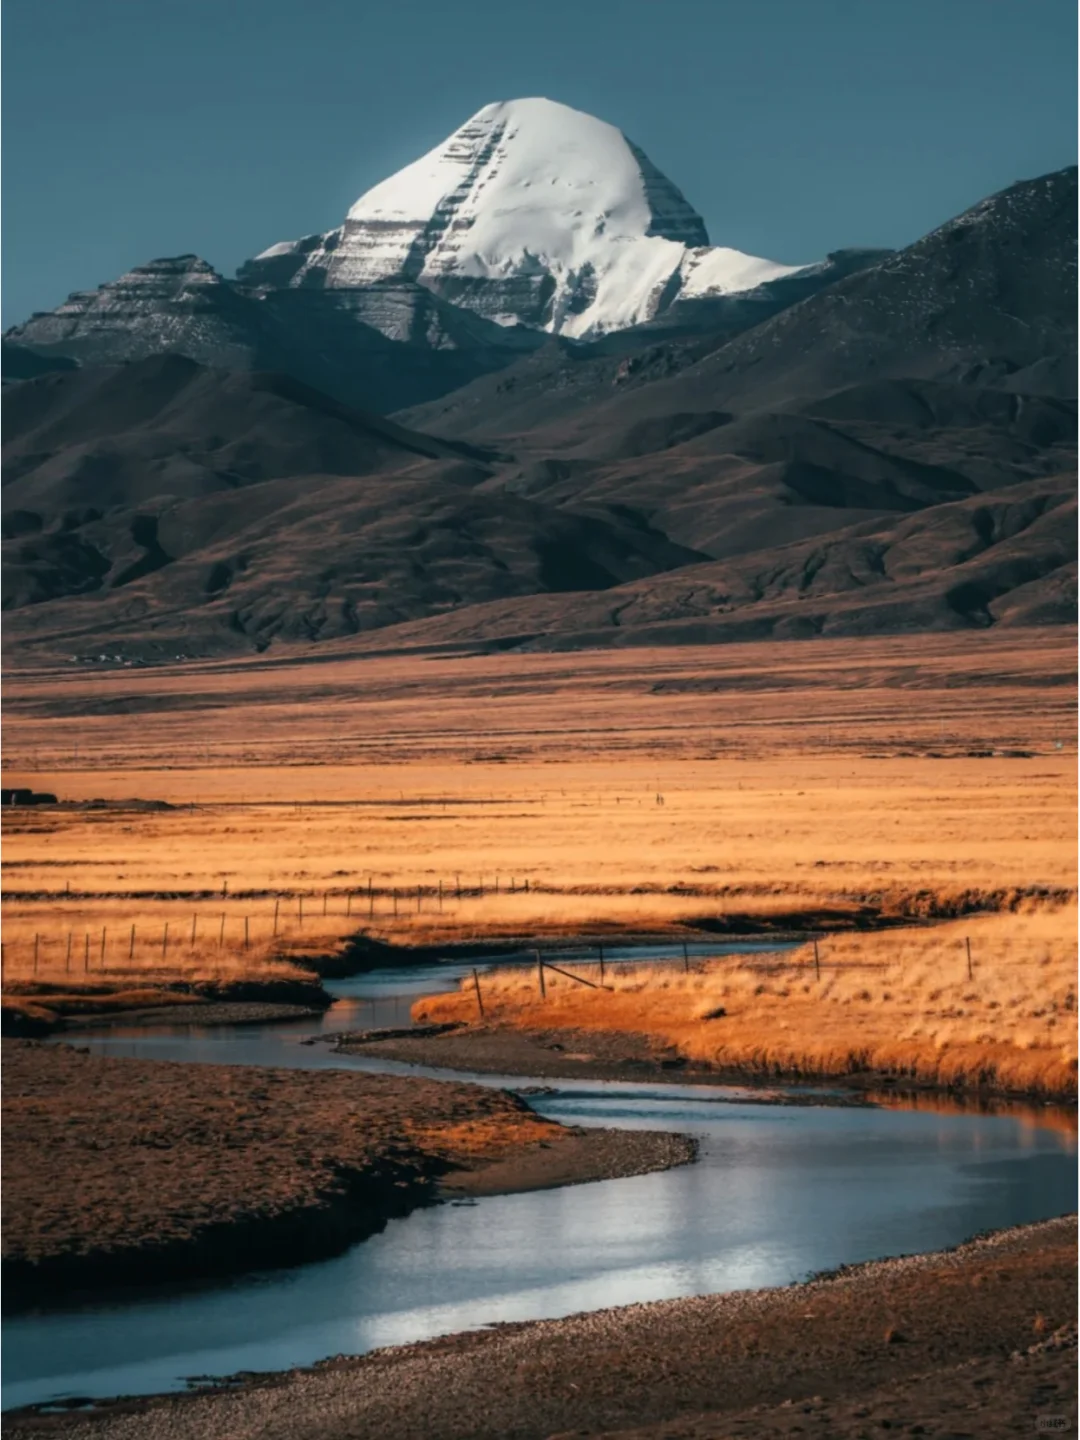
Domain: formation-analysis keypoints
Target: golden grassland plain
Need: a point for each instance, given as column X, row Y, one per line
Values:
column 902, row 1002
column 822, row 782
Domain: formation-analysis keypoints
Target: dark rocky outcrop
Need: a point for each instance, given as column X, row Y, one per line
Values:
column 384, row 348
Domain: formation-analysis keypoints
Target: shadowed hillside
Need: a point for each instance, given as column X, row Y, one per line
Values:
column 892, row 452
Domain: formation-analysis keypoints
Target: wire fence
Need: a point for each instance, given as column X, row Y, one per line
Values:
column 224, row 930
column 240, row 922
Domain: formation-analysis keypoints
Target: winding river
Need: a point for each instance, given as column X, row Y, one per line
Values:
column 776, row 1194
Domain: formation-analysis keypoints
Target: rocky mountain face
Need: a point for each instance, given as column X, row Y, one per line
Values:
column 180, row 303
column 988, row 299
column 531, row 219
column 877, row 443
column 381, row 347
column 531, row 213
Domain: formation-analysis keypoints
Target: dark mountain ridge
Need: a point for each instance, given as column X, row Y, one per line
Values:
column 988, row 299
column 384, row 346
column 893, row 451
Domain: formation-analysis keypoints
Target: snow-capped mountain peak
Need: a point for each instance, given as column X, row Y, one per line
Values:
column 534, row 176
column 531, row 213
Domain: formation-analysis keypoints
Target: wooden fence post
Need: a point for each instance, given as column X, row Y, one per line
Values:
column 685, row 959
column 102, row 962
column 601, row 949
column 131, row 944
column 192, row 945
column 348, row 903
column 540, row 974
column 301, row 912
column 418, row 899
column 324, row 902
column 971, row 972
column 245, row 932
column 277, row 907
column 817, row 960
column 221, row 933
column 457, row 880
column 395, row 902
column 165, row 940
column 440, row 894
column 479, row 997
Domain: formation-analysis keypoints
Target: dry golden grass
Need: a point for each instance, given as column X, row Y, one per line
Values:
column 489, row 1137
column 88, row 985
column 795, row 835
column 103, row 949
column 892, row 694
column 795, row 779
column 596, row 850
column 899, row 1002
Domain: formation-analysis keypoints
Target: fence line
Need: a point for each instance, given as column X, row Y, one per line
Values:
column 436, row 889
column 54, row 953
column 158, row 937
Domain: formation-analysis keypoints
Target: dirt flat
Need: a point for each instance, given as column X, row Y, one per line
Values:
column 555, row 1054
column 200, row 1012
column 942, row 1342
column 988, row 1399
column 566, row 1054
column 562, row 1054
column 129, row 1171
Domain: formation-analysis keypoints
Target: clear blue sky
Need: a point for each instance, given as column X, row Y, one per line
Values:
column 140, row 128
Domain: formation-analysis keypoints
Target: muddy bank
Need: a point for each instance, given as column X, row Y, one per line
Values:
column 896, row 1344
column 563, row 1054
column 362, row 952
column 856, row 913
column 32, row 1009
column 201, row 1013
column 556, row 1054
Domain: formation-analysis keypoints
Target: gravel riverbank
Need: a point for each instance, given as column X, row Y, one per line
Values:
column 975, row 1341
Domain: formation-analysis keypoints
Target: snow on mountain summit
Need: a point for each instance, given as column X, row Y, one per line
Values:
column 530, row 213
column 538, row 176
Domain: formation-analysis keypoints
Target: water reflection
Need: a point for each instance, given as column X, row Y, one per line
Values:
column 777, row 1193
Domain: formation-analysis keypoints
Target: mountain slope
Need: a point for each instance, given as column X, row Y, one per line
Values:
column 989, row 299
column 386, row 347
column 254, row 507
column 887, row 453
column 562, row 376
column 309, row 558
column 726, row 485
column 97, row 439
column 1006, row 559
